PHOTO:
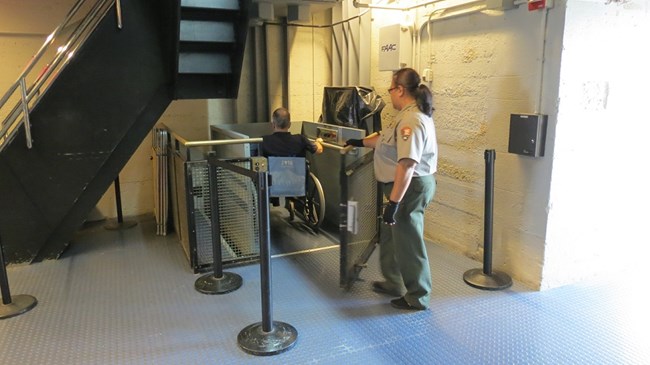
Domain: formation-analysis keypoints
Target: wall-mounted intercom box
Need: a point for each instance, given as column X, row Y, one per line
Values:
column 527, row 134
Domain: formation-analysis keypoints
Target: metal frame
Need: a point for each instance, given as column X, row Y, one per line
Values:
column 353, row 257
column 350, row 265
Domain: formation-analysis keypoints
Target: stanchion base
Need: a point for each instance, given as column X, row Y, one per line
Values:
column 118, row 226
column 255, row 341
column 209, row 284
column 478, row 279
column 19, row 304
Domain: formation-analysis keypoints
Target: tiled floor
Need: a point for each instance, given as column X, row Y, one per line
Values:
column 128, row 297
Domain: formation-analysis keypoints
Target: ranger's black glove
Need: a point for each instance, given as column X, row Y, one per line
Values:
column 354, row 142
column 389, row 213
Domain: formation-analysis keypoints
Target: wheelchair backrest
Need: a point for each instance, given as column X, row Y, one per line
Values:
column 287, row 176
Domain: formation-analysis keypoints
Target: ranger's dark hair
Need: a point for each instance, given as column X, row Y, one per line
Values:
column 410, row 80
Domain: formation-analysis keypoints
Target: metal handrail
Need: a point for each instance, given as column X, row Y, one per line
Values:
column 35, row 89
column 32, row 94
column 223, row 142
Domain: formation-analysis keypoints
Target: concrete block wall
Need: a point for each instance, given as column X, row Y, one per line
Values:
column 485, row 67
column 309, row 67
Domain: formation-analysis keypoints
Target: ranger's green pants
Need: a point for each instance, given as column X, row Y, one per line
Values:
column 402, row 253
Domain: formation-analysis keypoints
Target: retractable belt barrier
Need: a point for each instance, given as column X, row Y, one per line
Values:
column 119, row 223
column 12, row 306
column 487, row 278
column 267, row 337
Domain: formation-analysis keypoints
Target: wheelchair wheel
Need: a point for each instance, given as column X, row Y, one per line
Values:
column 314, row 207
column 290, row 206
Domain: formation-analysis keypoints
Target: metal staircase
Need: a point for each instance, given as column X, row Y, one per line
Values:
column 84, row 104
column 210, row 49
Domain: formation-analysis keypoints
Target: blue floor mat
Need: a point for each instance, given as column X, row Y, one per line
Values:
column 128, row 297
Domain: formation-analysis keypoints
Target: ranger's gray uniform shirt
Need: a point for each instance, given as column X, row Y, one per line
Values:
column 410, row 135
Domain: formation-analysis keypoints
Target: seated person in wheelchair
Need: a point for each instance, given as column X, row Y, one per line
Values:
column 284, row 144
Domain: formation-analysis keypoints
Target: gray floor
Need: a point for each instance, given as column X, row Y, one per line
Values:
column 127, row 297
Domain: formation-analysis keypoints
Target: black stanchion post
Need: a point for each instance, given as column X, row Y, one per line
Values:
column 119, row 224
column 218, row 282
column 12, row 306
column 267, row 337
column 486, row 278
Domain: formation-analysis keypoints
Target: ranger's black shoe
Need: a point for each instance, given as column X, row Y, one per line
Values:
column 384, row 287
column 401, row 303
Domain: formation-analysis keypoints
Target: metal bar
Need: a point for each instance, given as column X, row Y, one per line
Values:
column 265, row 249
column 343, row 150
column 343, row 224
column 74, row 39
column 217, row 264
column 490, row 156
column 4, row 280
column 486, row 278
column 223, row 142
column 35, row 88
column 190, row 219
column 234, row 168
column 41, row 51
column 118, row 9
column 220, row 142
column 358, row 4
column 23, row 96
column 118, row 200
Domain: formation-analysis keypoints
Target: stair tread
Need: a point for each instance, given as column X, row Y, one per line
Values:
column 211, row 4
column 207, row 31
column 205, row 47
column 204, row 63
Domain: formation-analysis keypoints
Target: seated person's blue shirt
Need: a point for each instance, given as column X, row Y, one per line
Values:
column 285, row 144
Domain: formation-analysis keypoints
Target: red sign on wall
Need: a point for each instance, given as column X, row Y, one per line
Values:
column 536, row 4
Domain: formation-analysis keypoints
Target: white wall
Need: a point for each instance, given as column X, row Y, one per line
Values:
column 599, row 196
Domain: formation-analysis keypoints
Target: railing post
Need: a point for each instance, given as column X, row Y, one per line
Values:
column 25, row 106
column 486, row 278
column 118, row 10
column 267, row 337
column 119, row 224
column 217, row 282
column 17, row 305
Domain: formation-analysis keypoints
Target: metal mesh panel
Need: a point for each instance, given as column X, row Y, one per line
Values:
column 200, row 192
column 362, row 188
column 160, row 158
column 238, row 214
column 239, row 238
column 180, row 205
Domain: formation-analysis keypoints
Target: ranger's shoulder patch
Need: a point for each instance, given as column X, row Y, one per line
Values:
column 406, row 133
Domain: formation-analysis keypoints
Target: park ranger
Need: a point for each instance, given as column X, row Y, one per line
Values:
column 405, row 159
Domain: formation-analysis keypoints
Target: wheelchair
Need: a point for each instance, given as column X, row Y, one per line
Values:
column 303, row 192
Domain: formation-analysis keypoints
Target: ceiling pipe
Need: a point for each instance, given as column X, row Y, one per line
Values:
column 490, row 4
column 358, row 4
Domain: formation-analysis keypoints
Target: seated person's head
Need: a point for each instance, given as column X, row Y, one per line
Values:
column 281, row 119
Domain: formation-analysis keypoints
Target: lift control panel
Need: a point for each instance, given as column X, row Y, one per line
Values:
column 329, row 135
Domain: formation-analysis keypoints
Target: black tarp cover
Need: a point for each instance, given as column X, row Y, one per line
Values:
column 352, row 106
